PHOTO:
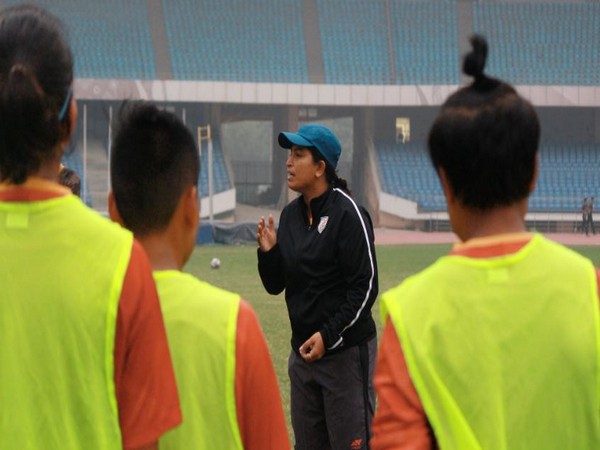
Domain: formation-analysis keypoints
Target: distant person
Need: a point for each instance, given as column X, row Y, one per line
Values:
column 495, row 346
column 84, row 362
column 69, row 178
column 227, row 385
column 589, row 211
column 584, row 216
column 323, row 255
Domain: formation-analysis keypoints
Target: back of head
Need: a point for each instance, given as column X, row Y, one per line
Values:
column 154, row 160
column 36, row 74
column 485, row 138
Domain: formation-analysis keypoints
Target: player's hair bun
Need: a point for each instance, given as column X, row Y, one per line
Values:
column 474, row 61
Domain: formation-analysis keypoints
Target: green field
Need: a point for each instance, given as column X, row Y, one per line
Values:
column 239, row 273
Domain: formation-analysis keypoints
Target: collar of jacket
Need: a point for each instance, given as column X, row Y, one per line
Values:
column 316, row 205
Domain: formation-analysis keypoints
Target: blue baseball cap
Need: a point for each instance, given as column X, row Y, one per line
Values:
column 318, row 136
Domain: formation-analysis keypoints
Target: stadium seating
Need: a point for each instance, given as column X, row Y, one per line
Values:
column 406, row 172
column 229, row 40
column 221, row 181
column 425, row 39
column 110, row 38
column 567, row 174
column 542, row 43
column 354, row 41
column 535, row 43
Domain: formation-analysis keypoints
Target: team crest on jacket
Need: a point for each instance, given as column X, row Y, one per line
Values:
column 322, row 224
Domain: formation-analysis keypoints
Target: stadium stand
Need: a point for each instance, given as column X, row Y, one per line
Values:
column 229, row 40
column 221, row 181
column 536, row 43
column 425, row 39
column 354, row 41
column 110, row 39
column 406, row 171
column 542, row 43
column 567, row 174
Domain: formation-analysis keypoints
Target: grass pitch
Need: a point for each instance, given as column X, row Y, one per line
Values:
column 239, row 273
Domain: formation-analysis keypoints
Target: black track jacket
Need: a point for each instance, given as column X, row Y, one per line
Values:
column 328, row 270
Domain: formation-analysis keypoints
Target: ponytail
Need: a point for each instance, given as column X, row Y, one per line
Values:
column 330, row 174
column 36, row 73
column 25, row 125
column 343, row 185
column 334, row 180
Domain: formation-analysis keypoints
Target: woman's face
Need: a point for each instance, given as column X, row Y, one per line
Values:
column 301, row 169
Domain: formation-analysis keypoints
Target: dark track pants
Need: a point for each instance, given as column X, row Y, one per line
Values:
column 332, row 399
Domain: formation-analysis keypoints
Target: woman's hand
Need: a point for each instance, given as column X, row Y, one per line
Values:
column 265, row 234
column 313, row 349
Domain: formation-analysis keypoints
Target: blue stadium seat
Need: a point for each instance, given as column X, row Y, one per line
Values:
column 567, row 174
column 354, row 41
column 542, row 43
column 534, row 43
column 406, row 172
column 110, row 38
column 221, row 181
column 425, row 39
column 229, row 40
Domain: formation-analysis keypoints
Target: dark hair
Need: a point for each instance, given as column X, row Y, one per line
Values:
column 36, row 74
column 154, row 159
column 69, row 178
column 485, row 138
column 330, row 173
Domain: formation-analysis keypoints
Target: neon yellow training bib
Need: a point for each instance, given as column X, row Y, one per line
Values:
column 201, row 323
column 61, row 273
column 504, row 352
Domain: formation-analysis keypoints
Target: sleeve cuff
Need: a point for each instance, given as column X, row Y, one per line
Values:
column 330, row 341
column 267, row 257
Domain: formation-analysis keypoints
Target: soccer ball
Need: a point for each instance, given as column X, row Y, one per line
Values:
column 215, row 263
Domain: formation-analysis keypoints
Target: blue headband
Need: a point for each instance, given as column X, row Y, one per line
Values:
column 65, row 106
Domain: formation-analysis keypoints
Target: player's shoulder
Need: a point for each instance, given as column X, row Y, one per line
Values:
column 93, row 223
column 344, row 201
column 216, row 291
column 211, row 289
column 348, row 206
column 191, row 287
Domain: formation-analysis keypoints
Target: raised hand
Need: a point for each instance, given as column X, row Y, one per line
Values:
column 265, row 234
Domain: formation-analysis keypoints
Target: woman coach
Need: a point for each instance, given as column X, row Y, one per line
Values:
column 323, row 256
